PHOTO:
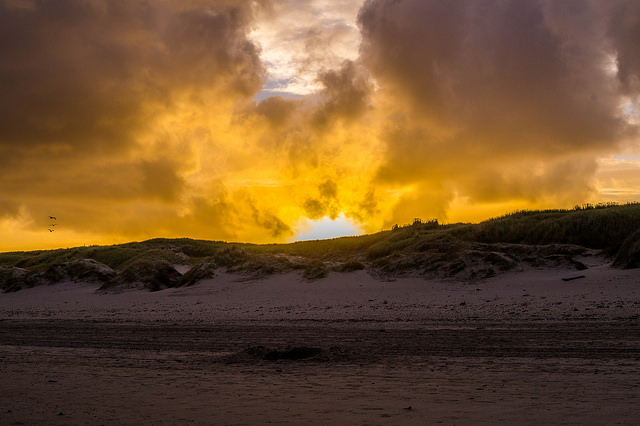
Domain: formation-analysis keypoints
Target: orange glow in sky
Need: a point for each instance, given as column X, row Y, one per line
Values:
column 265, row 121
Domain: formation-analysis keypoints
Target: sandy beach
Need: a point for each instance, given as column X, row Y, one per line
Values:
column 523, row 347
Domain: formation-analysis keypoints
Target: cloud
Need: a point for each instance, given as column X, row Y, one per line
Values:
column 104, row 101
column 131, row 120
column 80, row 67
column 498, row 100
column 91, row 76
column 346, row 94
column 623, row 28
column 496, row 71
column 277, row 110
column 618, row 178
column 300, row 38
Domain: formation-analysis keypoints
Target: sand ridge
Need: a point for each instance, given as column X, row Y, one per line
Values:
column 536, row 294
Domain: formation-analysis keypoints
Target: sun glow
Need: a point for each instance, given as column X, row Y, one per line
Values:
column 326, row 228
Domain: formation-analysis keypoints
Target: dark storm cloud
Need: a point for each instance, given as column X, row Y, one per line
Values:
column 327, row 203
column 276, row 109
column 346, row 94
column 328, row 189
column 87, row 87
column 485, row 85
column 497, row 70
column 90, row 74
column 623, row 27
column 269, row 221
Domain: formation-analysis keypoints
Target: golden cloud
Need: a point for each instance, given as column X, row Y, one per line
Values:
column 131, row 120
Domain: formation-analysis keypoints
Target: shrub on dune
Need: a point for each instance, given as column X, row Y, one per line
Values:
column 629, row 255
column 149, row 273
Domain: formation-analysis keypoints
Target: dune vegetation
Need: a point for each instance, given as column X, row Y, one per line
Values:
column 525, row 239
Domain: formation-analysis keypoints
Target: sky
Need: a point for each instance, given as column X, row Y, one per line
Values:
column 273, row 121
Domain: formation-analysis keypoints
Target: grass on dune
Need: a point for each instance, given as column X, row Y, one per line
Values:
column 604, row 227
column 425, row 247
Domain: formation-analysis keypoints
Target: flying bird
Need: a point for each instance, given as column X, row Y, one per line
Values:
column 50, row 230
column 52, row 217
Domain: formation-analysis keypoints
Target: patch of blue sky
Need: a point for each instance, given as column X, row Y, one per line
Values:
column 326, row 228
column 278, row 87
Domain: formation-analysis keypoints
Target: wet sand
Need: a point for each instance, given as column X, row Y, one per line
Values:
column 520, row 348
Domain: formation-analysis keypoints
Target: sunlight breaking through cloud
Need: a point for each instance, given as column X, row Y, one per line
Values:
column 239, row 121
column 300, row 39
column 326, row 227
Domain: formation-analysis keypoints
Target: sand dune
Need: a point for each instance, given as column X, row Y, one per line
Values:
column 535, row 294
column 523, row 347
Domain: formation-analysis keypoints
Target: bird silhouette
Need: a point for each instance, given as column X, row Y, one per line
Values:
column 52, row 217
column 53, row 224
column 50, row 230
